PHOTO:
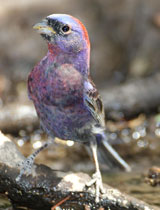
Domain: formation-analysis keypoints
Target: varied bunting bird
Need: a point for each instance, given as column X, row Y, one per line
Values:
column 66, row 99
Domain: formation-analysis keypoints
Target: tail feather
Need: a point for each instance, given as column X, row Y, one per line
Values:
column 107, row 155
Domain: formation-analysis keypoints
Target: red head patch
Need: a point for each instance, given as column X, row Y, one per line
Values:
column 85, row 33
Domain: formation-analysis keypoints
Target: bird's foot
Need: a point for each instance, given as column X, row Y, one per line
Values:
column 25, row 167
column 97, row 181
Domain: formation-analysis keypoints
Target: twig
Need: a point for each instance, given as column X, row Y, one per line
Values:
column 60, row 202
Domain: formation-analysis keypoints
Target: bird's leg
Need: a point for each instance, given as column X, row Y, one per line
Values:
column 27, row 164
column 97, row 177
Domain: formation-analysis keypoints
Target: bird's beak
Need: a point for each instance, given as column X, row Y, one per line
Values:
column 43, row 28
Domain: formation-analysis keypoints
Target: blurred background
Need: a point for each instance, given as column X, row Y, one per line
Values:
column 125, row 64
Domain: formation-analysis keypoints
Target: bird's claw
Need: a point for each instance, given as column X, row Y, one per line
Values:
column 97, row 181
column 25, row 167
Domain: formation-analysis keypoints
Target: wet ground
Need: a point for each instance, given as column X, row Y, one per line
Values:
column 137, row 140
column 132, row 184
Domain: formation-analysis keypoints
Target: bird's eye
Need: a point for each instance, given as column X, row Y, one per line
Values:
column 66, row 29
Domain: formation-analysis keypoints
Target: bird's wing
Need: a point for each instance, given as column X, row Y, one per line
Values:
column 93, row 101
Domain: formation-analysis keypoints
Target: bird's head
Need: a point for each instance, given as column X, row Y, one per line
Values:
column 65, row 32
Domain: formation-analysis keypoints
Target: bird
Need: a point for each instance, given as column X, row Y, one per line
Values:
column 65, row 97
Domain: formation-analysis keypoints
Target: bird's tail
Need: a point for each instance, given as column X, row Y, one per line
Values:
column 107, row 155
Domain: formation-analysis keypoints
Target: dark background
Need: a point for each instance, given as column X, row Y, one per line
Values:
column 125, row 49
column 124, row 35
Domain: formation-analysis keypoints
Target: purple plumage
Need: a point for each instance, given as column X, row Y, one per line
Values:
column 57, row 93
column 66, row 99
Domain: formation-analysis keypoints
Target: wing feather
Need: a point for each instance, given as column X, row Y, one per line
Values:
column 93, row 101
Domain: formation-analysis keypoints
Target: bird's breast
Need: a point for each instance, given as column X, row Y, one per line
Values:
column 57, row 94
column 62, row 85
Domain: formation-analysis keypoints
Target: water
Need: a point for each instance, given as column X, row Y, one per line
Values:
column 134, row 184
